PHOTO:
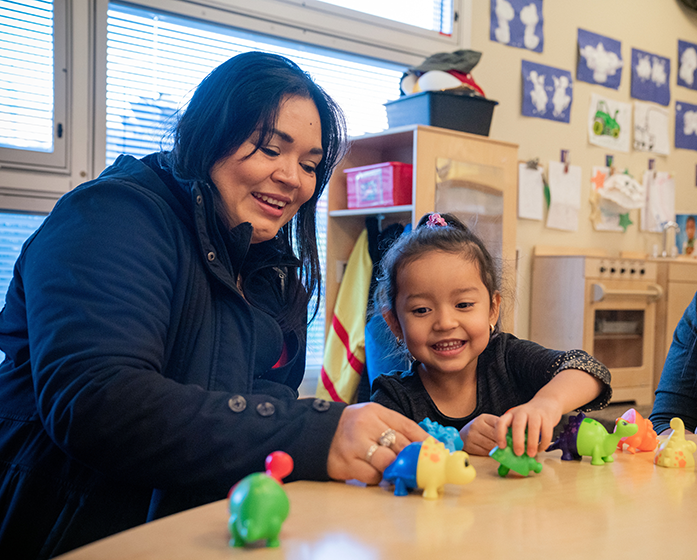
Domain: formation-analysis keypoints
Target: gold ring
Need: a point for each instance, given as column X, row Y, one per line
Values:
column 371, row 451
column 387, row 438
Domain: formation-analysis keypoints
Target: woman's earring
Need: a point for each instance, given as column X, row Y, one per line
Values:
column 491, row 329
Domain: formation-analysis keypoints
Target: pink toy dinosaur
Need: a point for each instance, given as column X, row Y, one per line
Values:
column 645, row 439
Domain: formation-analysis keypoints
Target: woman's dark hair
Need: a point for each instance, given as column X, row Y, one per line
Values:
column 434, row 232
column 242, row 97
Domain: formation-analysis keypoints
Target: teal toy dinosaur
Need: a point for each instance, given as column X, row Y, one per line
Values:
column 522, row 464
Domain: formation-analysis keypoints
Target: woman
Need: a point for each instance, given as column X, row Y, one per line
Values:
column 155, row 325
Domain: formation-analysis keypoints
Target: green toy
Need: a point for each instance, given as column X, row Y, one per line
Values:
column 603, row 123
column 259, row 504
column 522, row 464
column 587, row 437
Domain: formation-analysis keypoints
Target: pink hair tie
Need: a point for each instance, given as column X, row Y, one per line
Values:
column 435, row 220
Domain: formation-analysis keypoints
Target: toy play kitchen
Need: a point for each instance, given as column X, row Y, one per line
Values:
column 605, row 306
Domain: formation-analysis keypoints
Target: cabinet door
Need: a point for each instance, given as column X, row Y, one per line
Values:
column 474, row 178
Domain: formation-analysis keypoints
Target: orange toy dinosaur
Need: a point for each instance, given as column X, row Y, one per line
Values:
column 645, row 439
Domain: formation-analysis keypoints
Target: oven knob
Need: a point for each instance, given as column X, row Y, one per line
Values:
column 603, row 269
column 612, row 270
column 632, row 271
column 642, row 271
column 623, row 270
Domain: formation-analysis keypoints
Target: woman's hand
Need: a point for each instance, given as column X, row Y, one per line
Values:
column 479, row 435
column 538, row 417
column 360, row 427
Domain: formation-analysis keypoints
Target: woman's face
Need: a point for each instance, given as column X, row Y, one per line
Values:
column 267, row 188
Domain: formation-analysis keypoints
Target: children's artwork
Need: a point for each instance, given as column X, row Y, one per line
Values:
column 565, row 196
column 650, row 77
column 547, row 92
column 608, row 123
column 651, row 128
column 687, row 64
column 660, row 201
column 530, row 191
column 599, row 59
column 517, row 23
column 613, row 196
column 685, row 125
column 685, row 240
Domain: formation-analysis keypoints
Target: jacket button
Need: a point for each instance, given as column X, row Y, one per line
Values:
column 265, row 409
column 237, row 403
column 199, row 199
column 320, row 405
column 211, row 256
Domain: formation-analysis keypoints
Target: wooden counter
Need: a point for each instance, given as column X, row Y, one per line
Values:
column 626, row 509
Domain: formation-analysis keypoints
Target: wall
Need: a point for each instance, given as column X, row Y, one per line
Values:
column 650, row 25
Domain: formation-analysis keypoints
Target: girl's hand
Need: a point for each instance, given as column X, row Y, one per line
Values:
column 361, row 426
column 539, row 416
column 479, row 435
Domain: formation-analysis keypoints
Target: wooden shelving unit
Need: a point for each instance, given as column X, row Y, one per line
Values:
column 492, row 168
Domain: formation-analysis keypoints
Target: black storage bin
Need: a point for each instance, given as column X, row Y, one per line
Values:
column 453, row 110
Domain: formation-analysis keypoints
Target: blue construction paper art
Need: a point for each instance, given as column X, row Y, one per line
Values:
column 599, row 59
column 517, row 23
column 685, row 125
column 687, row 64
column 650, row 77
column 547, row 92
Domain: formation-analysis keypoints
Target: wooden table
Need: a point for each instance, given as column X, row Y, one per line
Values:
column 626, row 509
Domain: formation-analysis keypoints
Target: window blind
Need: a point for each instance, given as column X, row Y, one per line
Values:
column 436, row 15
column 155, row 60
column 26, row 74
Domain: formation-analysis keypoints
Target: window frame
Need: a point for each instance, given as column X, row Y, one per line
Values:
column 320, row 17
column 57, row 160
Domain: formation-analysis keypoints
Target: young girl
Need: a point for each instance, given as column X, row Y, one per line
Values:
column 438, row 292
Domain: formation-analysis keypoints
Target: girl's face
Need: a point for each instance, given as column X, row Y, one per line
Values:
column 267, row 188
column 444, row 312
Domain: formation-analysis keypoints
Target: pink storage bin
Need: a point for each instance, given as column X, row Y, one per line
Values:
column 381, row 184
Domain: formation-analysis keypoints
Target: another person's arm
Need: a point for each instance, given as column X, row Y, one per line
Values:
column 676, row 395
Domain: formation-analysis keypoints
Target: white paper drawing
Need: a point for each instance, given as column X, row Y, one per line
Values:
column 530, row 192
column 529, row 17
column 604, row 214
column 504, row 14
column 651, row 128
column 609, row 123
column 660, row 200
column 565, row 196
column 602, row 62
column 560, row 99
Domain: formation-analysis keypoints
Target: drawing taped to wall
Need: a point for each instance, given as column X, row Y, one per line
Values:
column 609, row 123
column 650, row 77
column 651, row 128
column 599, row 59
column 685, row 125
column 687, row 64
column 517, row 23
column 659, row 207
column 547, row 92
